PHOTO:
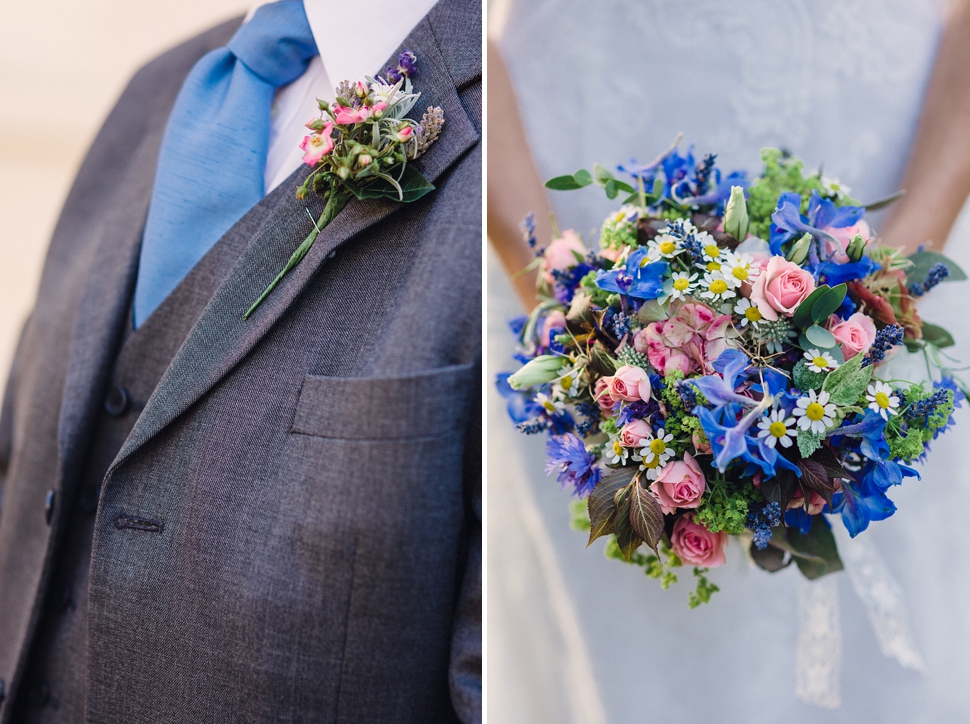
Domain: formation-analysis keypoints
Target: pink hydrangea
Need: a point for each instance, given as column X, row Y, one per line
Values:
column 689, row 340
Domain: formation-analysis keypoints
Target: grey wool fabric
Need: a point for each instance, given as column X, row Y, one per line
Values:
column 283, row 523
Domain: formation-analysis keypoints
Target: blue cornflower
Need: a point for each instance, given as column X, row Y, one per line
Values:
column 886, row 339
column 576, row 465
column 639, row 278
column 937, row 273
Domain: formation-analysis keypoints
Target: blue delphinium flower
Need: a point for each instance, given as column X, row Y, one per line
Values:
column 639, row 278
column 799, row 519
column 519, row 403
column 948, row 383
column 861, row 504
column 788, row 221
column 938, row 272
column 834, row 273
column 567, row 454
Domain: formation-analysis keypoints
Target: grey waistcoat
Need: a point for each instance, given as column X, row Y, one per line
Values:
column 291, row 528
column 54, row 689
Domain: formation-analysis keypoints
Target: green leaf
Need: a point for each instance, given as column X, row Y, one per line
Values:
column 884, row 201
column 805, row 379
column 770, row 558
column 937, row 336
column 601, row 174
column 600, row 360
column 626, row 537
column 923, row 261
column 803, row 315
column 815, row 552
column 847, row 383
column 611, row 189
column 828, row 303
column 412, row 182
column 781, row 488
column 816, row 477
column 820, row 337
column 602, row 501
column 808, row 442
column 646, row 517
column 651, row 311
column 568, row 183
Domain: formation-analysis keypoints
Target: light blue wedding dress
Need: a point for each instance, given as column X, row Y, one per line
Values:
column 574, row 637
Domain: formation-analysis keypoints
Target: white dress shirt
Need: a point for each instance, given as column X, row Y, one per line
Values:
column 344, row 55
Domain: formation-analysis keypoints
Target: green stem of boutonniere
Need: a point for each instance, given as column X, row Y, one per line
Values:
column 336, row 200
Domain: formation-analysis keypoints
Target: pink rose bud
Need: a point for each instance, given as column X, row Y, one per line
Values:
column 680, row 484
column 602, row 394
column 702, row 448
column 561, row 254
column 696, row 545
column 856, row 334
column 554, row 320
column 404, row 134
column 633, row 432
column 629, row 383
column 781, row 287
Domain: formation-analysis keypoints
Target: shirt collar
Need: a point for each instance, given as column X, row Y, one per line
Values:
column 355, row 38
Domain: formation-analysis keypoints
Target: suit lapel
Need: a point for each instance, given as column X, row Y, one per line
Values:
column 221, row 338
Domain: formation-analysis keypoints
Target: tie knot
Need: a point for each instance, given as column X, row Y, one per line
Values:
column 276, row 44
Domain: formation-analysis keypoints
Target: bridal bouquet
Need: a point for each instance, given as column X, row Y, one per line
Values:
column 713, row 370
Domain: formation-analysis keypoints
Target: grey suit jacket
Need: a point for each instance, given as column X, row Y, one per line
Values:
column 315, row 471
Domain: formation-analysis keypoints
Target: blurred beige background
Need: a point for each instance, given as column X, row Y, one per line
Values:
column 62, row 65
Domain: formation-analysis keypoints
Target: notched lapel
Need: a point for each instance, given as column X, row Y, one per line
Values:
column 221, row 338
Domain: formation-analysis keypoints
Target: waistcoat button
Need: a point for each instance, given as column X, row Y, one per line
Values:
column 49, row 506
column 117, row 401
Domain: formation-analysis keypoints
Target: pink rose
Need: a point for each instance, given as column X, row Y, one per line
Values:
column 317, row 146
column 603, row 398
column 696, row 545
column 843, row 236
column 633, row 432
column 629, row 383
column 554, row 320
column 856, row 334
column 680, row 484
column 561, row 254
column 781, row 287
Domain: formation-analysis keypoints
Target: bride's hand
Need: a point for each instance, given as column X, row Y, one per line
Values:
column 514, row 186
column 937, row 180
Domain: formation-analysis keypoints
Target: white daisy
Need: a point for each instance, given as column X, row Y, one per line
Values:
column 681, row 284
column 777, row 428
column 835, row 187
column 738, row 269
column 663, row 247
column 654, row 448
column 882, row 399
column 550, row 405
column 814, row 412
column 819, row 361
column 616, row 452
column 712, row 256
column 568, row 385
column 716, row 288
column 749, row 313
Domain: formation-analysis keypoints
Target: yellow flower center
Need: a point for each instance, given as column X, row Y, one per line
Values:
column 549, row 405
column 567, row 382
column 778, row 429
column 667, row 247
column 882, row 399
column 617, row 448
column 719, row 286
column 657, row 447
column 712, row 250
column 820, row 362
column 740, row 273
column 713, row 266
column 652, row 464
column 814, row 411
column 681, row 283
column 753, row 314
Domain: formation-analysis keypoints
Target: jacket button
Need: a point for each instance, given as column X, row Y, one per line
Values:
column 49, row 506
column 117, row 401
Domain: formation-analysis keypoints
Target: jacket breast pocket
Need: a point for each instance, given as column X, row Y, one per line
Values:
column 426, row 404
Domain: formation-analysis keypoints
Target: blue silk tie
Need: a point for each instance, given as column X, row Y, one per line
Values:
column 213, row 152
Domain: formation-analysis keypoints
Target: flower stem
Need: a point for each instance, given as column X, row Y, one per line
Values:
column 336, row 200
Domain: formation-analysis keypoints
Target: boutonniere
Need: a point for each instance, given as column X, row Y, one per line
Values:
column 361, row 147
